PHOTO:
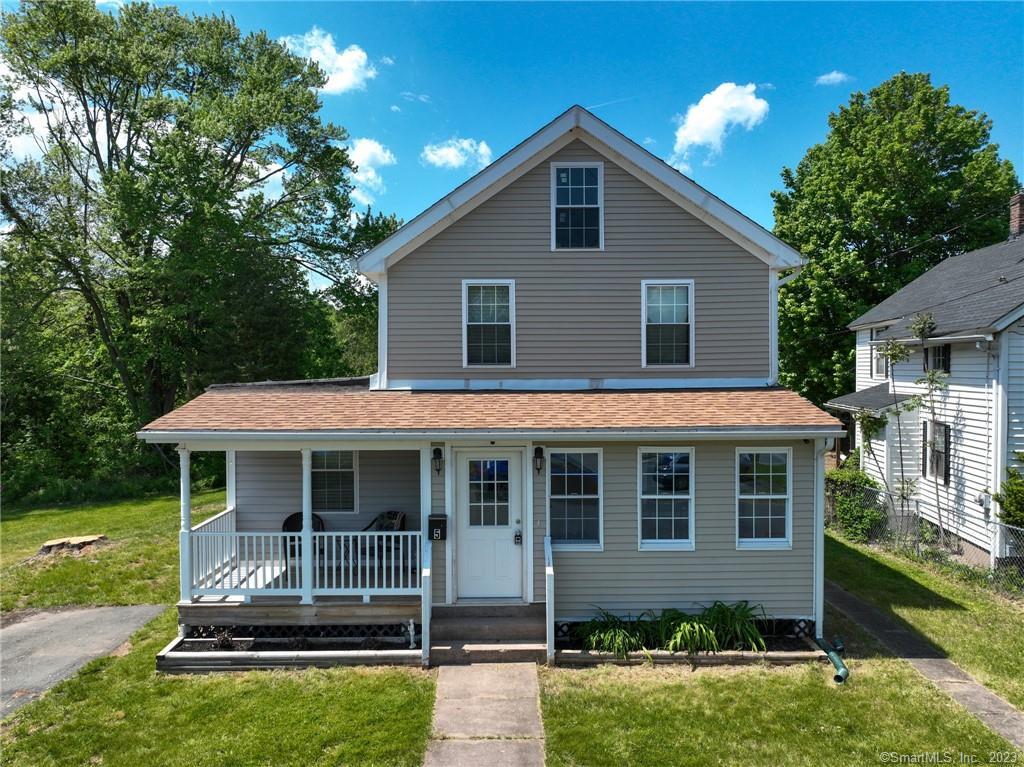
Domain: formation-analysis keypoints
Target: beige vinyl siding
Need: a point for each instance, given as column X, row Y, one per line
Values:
column 622, row 579
column 268, row 487
column 578, row 314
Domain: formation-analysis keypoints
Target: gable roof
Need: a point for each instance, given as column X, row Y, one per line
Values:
column 578, row 123
column 976, row 293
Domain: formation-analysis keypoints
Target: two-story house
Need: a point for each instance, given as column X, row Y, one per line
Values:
column 575, row 407
column 954, row 448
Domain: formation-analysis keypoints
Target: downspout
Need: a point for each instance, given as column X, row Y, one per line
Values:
column 822, row 446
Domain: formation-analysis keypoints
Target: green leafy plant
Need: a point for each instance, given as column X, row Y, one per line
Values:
column 735, row 626
column 1011, row 496
column 855, row 507
column 607, row 632
column 692, row 635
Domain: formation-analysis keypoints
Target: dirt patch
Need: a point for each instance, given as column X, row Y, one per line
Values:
column 122, row 650
column 79, row 546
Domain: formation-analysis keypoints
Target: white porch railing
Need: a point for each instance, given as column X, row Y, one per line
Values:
column 366, row 564
column 224, row 561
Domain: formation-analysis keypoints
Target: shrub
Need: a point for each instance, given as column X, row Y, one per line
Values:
column 720, row 626
column 735, row 626
column 610, row 633
column 858, row 510
column 1011, row 496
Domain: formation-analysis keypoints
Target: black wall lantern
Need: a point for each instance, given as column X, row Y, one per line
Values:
column 538, row 459
column 438, row 460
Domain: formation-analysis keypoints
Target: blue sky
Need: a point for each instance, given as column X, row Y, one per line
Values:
column 434, row 90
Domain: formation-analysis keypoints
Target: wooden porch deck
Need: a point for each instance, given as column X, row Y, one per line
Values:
column 287, row 611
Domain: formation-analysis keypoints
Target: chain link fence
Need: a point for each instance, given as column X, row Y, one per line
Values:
column 881, row 519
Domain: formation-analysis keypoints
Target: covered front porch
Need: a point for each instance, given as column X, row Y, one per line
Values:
column 300, row 526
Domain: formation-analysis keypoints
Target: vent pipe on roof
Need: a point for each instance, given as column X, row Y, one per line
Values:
column 1017, row 215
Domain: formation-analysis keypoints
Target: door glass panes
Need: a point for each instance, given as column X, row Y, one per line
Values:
column 488, row 492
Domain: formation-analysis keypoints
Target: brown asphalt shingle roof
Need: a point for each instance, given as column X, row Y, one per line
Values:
column 347, row 408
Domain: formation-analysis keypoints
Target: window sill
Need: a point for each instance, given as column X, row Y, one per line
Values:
column 587, row 547
column 655, row 366
column 578, row 250
column 666, row 546
column 488, row 367
column 766, row 545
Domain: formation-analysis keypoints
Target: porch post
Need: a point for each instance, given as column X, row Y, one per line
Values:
column 229, row 477
column 307, row 526
column 185, row 536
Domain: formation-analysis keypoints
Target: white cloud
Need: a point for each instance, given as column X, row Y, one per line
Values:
column 423, row 98
column 457, row 152
column 707, row 122
column 396, row 108
column 835, row 77
column 368, row 155
column 346, row 70
column 650, row 141
column 387, row 60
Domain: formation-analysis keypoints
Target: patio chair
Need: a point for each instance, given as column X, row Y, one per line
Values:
column 385, row 522
column 293, row 524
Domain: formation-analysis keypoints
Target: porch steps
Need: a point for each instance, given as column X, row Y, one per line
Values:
column 453, row 652
column 487, row 634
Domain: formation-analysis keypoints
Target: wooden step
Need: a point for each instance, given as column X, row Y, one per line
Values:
column 471, row 610
column 488, row 628
column 457, row 652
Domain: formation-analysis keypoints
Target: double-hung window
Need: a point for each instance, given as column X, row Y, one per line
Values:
column 666, row 498
column 937, row 358
column 577, row 203
column 334, row 481
column 935, row 450
column 667, row 307
column 763, row 498
column 879, row 362
column 489, row 323
column 574, row 498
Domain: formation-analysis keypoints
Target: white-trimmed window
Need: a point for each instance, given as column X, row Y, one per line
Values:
column 334, row 481
column 938, row 357
column 935, row 450
column 577, row 206
column 488, row 323
column 764, row 500
column 574, row 498
column 665, row 497
column 667, row 311
column 879, row 362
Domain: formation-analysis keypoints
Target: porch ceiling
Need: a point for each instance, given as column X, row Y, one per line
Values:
column 323, row 408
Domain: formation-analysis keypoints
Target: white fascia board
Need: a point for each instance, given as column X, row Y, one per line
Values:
column 572, row 124
column 572, row 384
column 1009, row 318
column 257, row 440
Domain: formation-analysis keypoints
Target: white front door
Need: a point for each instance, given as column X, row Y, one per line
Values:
column 489, row 550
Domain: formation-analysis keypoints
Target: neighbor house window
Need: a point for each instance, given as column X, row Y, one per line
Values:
column 489, row 333
column 574, row 498
column 937, row 358
column 935, row 450
column 879, row 362
column 668, row 322
column 334, row 481
column 666, row 500
column 763, row 498
column 576, row 201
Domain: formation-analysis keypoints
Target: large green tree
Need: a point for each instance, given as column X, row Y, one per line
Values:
column 179, row 188
column 903, row 180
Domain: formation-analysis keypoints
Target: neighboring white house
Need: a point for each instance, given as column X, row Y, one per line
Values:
column 976, row 301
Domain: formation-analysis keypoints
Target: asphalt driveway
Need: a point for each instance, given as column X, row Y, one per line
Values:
column 42, row 648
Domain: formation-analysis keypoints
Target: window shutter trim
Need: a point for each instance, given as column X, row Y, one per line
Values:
column 945, row 469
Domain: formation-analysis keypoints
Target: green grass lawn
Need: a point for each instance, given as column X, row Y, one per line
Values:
column 138, row 566
column 761, row 715
column 977, row 629
column 118, row 711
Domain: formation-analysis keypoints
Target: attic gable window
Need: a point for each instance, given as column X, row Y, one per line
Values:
column 577, row 206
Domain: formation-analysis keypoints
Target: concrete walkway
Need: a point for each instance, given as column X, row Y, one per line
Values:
column 45, row 647
column 487, row 715
column 994, row 712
